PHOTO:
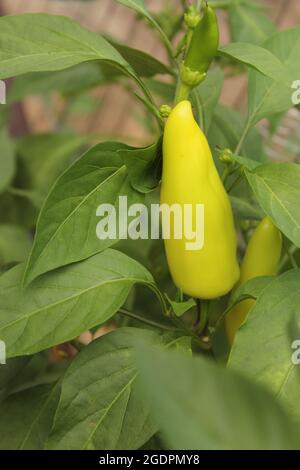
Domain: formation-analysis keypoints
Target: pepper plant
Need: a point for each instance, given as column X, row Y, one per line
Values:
column 104, row 345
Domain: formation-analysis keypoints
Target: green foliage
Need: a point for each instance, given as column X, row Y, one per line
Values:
column 201, row 406
column 102, row 381
column 266, row 339
column 58, row 280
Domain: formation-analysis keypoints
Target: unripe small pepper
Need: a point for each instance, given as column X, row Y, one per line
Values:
column 203, row 46
column 261, row 259
column 190, row 177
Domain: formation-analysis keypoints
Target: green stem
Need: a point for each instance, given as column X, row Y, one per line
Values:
column 165, row 39
column 203, row 316
column 182, row 92
column 225, row 174
column 181, row 326
column 243, row 136
column 199, row 5
column 235, row 183
column 153, row 323
column 201, row 118
column 161, row 298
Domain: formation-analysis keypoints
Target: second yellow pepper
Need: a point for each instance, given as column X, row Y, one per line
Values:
column 261, row 259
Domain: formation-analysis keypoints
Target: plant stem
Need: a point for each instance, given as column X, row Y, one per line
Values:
column 161, row 298
column 235, row 183
column 203, row 317
column 182, row 92
column 225, row 174
column 198, row 100
column 181, row 326
column 243, row 136
column 199, row 5
column 165, row 39
column 153, row 323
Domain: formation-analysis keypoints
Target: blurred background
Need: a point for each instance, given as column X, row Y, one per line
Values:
column 110, row 110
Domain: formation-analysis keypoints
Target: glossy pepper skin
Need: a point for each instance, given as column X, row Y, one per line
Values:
column 261, row 259
column 190, row 177
column 204, row 43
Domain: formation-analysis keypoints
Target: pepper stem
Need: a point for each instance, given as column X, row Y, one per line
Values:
column 182, row 93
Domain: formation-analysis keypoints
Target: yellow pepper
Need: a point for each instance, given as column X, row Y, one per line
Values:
column 261, row 259
column 190, row 177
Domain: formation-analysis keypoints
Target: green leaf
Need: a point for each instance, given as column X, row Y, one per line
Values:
column 15, row 243
column 144, row 166
column 70, row 81
column 60, row 305
column 7, row 160
column 266, row 96
column 163, row 90
column 249, row 25
column 10, row 372
column 101, row 406
column 259, row 58
column 142, row 63
column 263, row 345
column 16, row 210
column 180, row 308
column 26, row 418
column 66, row 229
column 251, row 289
column 45, row 156
column 246, row 163
column 244, row 209
column 277, row 190
column 199, row 405
column 225, row 131
column 206, row 96
column 38, row 42
column 84, row 76
column 139, row 7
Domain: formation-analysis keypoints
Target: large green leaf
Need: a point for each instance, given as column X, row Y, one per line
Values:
column 201, row 406
column 66, row 229
column 26, row 418
column 84, row 76
column 267, row 96
column 277, row 189
column 263, row 345
column 62, row 304
column 7, row 160
column 101, row 406
column 259, row 58
column 37, row 42
column 249, row 25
